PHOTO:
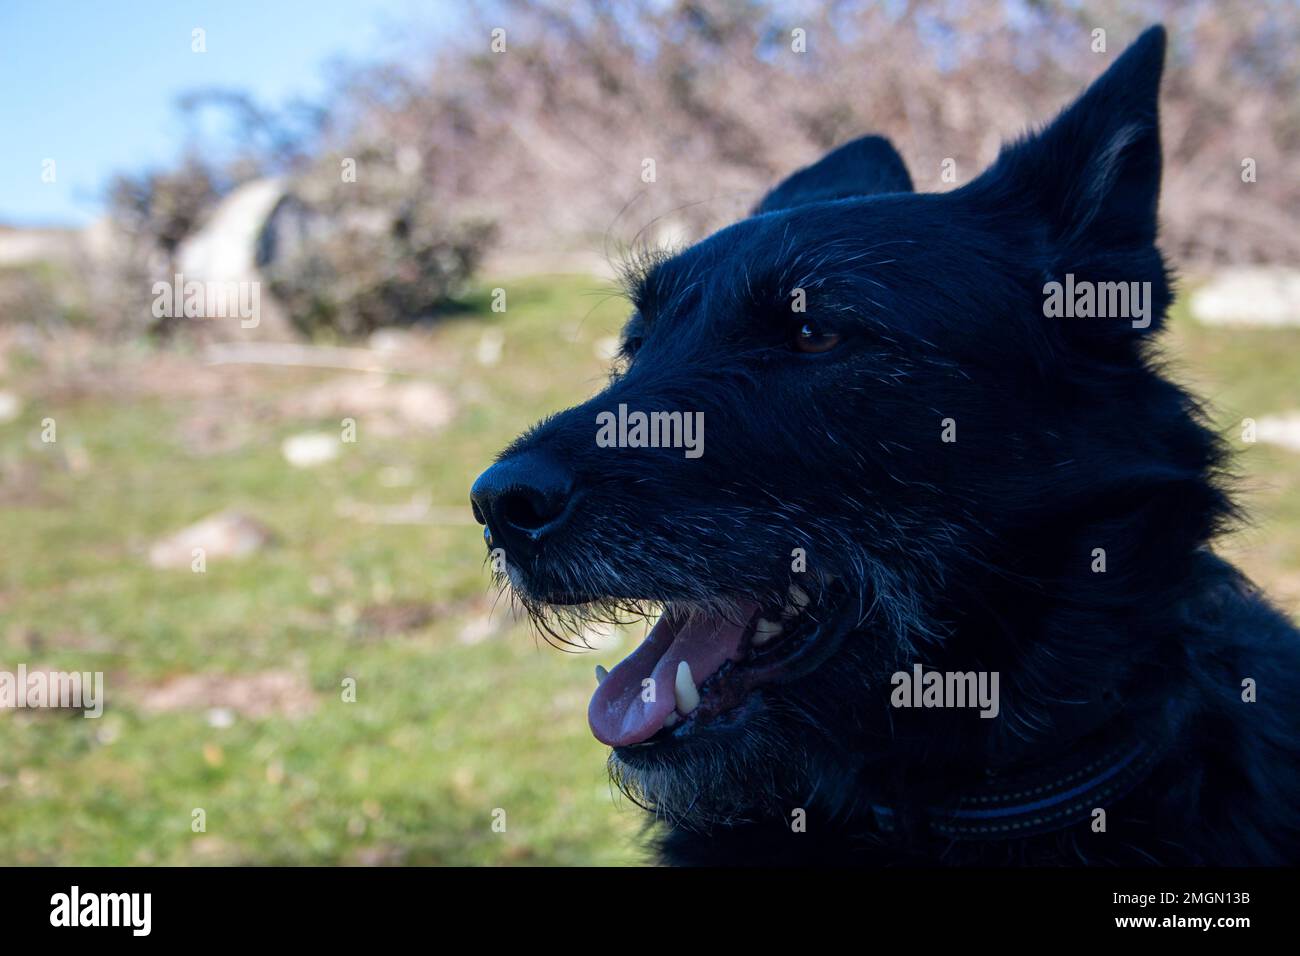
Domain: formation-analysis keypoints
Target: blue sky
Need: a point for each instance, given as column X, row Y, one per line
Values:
column 92, row 84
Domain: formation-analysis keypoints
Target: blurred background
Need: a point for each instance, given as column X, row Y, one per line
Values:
column 429, row 202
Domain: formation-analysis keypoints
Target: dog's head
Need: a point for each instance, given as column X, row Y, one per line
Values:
column 834, row 426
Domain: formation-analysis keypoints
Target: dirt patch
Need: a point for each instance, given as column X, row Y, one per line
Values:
column 213, row 430
column 22, row 484
column 227, row 534
column 384, row 406
column 255, row 696
column 386, row 620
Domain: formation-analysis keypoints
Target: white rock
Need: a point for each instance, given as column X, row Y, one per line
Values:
column 11, row 406
column 224, row 252
column 221, row 717
column 422, row 404
column 225, row 248
column 380, row 405
column 309, row 449
column 490, row 344
column 1283, row 430
column 227, row 534
column 1249, row 296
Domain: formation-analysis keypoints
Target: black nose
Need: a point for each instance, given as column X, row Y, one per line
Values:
column 522, row 499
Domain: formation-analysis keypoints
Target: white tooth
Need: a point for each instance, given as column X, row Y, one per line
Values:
column 672, row 718
column 688, row 698
column 601, row 674
column 765, row 630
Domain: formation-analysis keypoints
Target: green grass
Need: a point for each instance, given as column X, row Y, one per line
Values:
column 445, row 730
column 1250, row 373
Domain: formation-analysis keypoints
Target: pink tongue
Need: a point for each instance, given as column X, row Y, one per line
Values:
column 618, row 714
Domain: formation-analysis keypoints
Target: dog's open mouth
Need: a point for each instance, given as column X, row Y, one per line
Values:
column 694, row 666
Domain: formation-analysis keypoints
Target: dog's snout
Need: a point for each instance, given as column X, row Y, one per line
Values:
column 522, row 499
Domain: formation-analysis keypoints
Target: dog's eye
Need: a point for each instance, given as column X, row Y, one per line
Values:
column 631, row 345
column 812, row 338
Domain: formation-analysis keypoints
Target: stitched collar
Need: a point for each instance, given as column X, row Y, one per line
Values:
column 1037, row 800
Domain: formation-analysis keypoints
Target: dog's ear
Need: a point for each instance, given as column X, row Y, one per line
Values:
column 1092, row 176
column 864, row 167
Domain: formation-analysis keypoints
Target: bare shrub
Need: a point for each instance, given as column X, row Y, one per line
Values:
column 350, row 256
column 151, row 214
column 551, row 134
column 550, row 137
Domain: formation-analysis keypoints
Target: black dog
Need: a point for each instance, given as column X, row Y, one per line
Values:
column 937, row 588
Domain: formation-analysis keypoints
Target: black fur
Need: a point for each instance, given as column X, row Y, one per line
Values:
column 973, row 554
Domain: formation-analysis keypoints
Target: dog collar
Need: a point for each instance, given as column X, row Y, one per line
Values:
column 1025, row 803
